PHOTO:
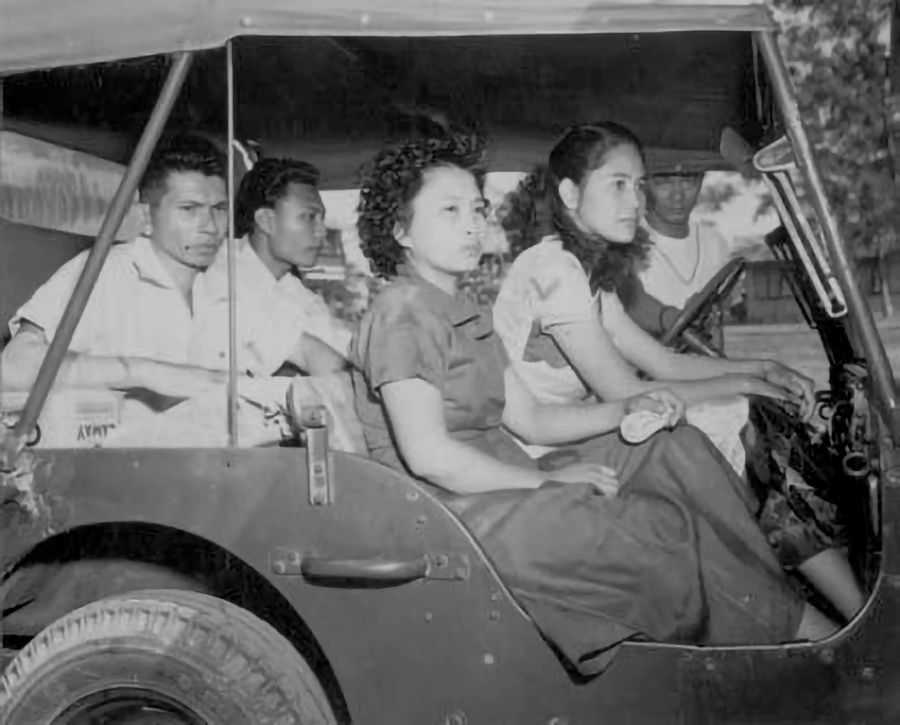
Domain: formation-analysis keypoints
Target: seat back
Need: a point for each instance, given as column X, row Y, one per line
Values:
column 28, row 257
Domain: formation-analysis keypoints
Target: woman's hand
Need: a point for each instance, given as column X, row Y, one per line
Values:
column 661, row 402
column 603, row 478
column 801, row 389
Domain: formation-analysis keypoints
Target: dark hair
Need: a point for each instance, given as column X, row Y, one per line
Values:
column 265, row 184
column 185, row 152
column 535, row 208
column 391, row 181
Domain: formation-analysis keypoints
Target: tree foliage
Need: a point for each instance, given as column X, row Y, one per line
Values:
column 836, row 51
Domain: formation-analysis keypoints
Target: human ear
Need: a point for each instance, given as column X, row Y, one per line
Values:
column 569, row 193
column 401, row 236
column 264, row 218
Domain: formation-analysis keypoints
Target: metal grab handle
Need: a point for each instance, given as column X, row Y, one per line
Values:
column 377, row 570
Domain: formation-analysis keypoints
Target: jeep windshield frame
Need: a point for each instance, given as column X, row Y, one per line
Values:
column 96, row 33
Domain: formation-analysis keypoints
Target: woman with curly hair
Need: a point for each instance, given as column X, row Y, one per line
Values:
column 561, row 313
column 596, row 552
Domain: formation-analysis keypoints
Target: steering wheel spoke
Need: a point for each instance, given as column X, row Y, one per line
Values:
column 701, row 305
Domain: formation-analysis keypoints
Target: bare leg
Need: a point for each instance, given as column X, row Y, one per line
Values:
column 830, row 573
column 814, row 625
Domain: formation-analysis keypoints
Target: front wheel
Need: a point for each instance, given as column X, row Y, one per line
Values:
column 166, row 657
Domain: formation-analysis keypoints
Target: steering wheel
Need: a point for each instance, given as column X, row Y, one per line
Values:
column 701, row 304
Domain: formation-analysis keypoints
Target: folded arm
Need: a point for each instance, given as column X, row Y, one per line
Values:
column 22, row 358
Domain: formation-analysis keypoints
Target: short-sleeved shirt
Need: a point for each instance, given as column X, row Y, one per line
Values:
column 134, row 309
column 412, row 330
column 272, row 315
column 676, row 269
column 545, row 287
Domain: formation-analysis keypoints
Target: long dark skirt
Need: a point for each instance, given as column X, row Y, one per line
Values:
column 675, row 557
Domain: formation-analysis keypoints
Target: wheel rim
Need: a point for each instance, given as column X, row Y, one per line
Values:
column 128, row 706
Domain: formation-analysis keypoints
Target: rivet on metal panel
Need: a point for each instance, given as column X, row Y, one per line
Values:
column 428, row 616
column 494, row 615
column 709, row 665
column 456, row 718
column 827, row 655
column 421, row 520
column 495, row 596
column 488, row 658
column 412, row 495
column 462, row 572
column 246, row 21
column 364, row 19
column 488, row 16
column 867, row 674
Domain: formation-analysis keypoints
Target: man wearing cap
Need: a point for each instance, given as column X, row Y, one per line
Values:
column 686, row 253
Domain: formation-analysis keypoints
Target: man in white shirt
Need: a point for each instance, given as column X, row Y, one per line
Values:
column 279, row 217
column 686, row 254
column 139, row 323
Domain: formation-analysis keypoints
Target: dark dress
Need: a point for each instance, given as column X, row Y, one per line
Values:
column 674, row 557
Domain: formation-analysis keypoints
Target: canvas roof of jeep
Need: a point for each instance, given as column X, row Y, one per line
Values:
column 47, row 33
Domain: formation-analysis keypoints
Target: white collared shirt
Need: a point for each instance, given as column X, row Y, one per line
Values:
column 272, row 315
column 677, row 268
column 134, row 309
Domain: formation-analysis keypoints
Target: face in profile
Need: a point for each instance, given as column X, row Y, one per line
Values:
column 610, row 200
column 188, row 220
column 297, row 230
column 446, row 231
column 671, row 197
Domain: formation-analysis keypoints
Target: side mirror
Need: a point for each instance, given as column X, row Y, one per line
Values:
column 777, row 156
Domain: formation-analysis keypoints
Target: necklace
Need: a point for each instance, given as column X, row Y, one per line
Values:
column 685, row 280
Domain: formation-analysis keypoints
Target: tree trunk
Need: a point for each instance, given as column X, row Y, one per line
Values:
column 884, row 274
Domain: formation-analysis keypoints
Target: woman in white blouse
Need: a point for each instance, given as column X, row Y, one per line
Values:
column 561, row 316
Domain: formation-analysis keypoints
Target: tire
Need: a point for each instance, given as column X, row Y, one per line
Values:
column 199, row 655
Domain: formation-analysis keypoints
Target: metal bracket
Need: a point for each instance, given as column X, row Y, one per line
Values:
column 311, row 425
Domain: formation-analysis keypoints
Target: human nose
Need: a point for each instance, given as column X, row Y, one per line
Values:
column 320, row 230
column 476, row 222
column 212, row 220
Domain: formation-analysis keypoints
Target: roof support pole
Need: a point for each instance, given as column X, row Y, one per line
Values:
column 231, row 257
column 12, row 444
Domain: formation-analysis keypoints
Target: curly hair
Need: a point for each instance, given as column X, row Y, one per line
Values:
column 185, row 152
column 392, row 180
column 535, row 209
column 265, row 184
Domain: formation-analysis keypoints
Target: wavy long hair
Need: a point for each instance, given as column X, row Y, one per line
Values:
column 536, row 209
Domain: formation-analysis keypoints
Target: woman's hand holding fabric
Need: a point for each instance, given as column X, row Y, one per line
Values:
column 662, row 402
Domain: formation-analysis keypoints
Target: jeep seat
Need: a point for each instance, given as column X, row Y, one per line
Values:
column 29, row 255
